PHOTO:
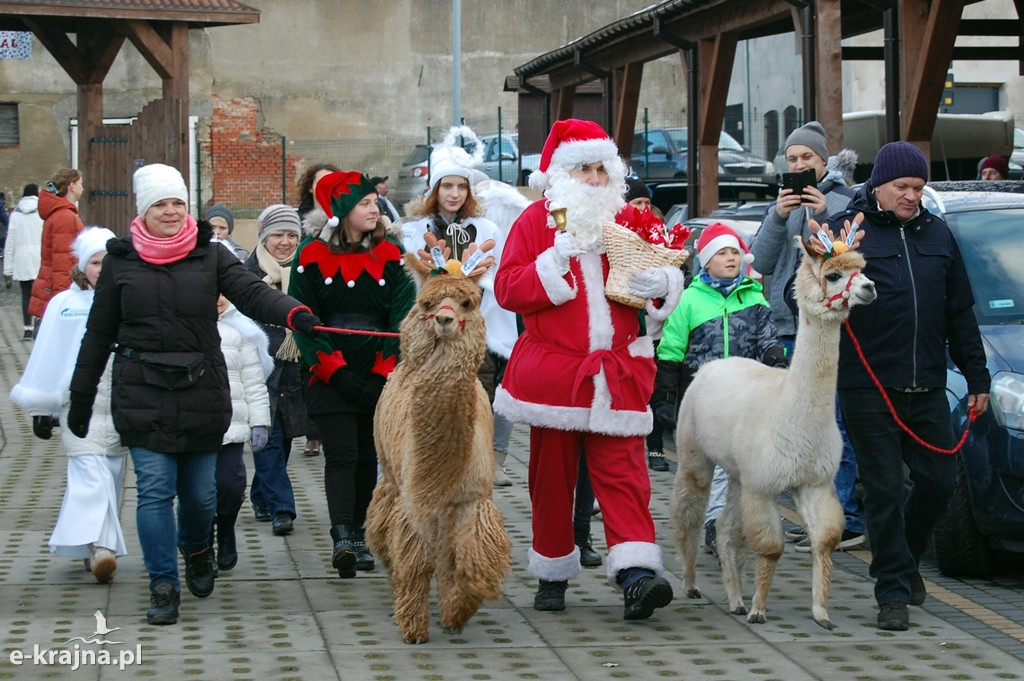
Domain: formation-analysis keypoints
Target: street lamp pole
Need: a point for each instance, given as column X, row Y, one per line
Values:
column 456, row 62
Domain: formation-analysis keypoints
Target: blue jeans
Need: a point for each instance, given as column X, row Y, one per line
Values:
column 846, row 476
column 900, row 524
column 271, row 487
column 159, row 478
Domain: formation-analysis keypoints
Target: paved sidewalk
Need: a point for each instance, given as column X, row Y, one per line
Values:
column 283, row 613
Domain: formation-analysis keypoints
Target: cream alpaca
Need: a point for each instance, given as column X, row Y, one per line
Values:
column 432, row 511
column 771, row 430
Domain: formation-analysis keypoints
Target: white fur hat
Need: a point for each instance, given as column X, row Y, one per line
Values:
column 156, row 182
column 450, row 158
column 89, row 242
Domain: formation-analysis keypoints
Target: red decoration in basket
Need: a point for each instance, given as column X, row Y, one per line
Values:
column 646, row 224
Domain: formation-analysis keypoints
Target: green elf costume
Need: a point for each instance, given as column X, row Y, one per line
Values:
column 355, row 281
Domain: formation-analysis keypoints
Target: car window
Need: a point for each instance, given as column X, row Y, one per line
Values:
column 728, row 142
column 990, row 242
column 1018, row 138
column 419, row 155
column 679, row 138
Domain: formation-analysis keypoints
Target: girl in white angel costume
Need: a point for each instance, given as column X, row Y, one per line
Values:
column 88, row 525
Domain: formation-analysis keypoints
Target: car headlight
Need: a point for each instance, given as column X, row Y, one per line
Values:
column 1007, row 400
column 769, row 168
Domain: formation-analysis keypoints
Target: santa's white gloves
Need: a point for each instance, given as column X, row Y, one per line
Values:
column 565, row 247
column 651, row 283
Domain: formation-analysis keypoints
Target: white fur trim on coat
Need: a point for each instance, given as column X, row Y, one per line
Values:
column 675, row 290
column 553, row 279
column 633, row 554
column 599, row 418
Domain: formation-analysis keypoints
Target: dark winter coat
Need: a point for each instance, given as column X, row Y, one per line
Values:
column 145, row 308
column 924, row 300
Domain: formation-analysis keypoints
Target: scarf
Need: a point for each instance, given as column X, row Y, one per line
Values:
column 164, row 250
column 277, row 272
column 723, row 286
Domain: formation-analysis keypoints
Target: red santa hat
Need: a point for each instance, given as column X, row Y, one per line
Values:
column 571, row 142
column 717, row 236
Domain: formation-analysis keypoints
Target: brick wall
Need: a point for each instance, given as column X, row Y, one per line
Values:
column 245, row 159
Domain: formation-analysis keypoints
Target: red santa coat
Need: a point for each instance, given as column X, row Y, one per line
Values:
column 581, row 363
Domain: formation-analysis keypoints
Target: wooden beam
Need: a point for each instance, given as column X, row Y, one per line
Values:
column 715, row 71
column 627, row 99
column 565, row 101
column 151, row 46
column 100, row 42
column 58, row 44
column 828, row 75
column 176, row 86
column 924, row 92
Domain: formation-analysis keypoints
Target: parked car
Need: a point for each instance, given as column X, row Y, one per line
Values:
column 667, row 194
column 501, row 161
column 661, row 153
column 986, row 514
column 733, row 210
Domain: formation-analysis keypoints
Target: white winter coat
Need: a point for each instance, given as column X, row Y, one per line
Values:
column 24, row 240
column 43, row 389
column 244, row 345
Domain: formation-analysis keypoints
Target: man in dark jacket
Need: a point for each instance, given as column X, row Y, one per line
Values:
column 924, row 302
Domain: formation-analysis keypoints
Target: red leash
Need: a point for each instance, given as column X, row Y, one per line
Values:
column 971, row 414
column 358, row 332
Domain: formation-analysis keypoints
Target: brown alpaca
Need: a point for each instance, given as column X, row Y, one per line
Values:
column 432, row 511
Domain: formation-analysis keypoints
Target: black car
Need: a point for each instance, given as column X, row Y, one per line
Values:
column 661, row 154
column 986, row 514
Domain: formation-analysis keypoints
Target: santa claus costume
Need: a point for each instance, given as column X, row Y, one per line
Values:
column 581, row 374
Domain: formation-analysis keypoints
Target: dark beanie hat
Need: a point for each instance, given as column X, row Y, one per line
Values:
column 812, row 136
column 896, row 160
column 219, row 210
column 997, row 163
column 636, row 189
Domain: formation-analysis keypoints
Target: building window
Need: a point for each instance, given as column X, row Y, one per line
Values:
column 771, row 132
column 9, row 132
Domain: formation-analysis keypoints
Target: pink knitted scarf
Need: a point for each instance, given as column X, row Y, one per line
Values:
column 161, row 251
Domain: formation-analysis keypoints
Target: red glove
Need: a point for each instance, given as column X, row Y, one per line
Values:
column 326, row 366
column 383, row 367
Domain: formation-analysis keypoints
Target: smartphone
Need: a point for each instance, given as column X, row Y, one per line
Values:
column 798, row 181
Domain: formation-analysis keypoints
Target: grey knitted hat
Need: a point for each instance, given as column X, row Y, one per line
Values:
column 219, row 210
column 812, row 136
column 278, row 218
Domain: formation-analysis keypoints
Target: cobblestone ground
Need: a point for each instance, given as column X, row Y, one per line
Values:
column 282, row 613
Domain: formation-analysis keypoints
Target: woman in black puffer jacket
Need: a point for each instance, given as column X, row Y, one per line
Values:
column 155, row 307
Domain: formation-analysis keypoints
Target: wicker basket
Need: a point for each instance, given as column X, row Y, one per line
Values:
column 629, row 253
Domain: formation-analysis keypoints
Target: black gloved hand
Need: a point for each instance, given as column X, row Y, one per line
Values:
column 664, row 406
column 775, row 356
column 304, row 321
column 42, row 426
column 79, row 415
column 371, row 393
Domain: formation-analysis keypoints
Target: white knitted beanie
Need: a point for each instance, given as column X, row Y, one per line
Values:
column 156, row 182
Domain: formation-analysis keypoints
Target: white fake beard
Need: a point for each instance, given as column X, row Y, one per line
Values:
column 588, row 208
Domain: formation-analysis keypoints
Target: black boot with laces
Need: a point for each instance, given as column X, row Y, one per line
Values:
column 199, row 572
column 550, row 596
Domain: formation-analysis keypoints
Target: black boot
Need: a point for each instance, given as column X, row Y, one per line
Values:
column 343, row 558
column 364, row 559
column 163, row 604
column 227, row 552
column 550, row 596
column 199, row 572
column 588, row 556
